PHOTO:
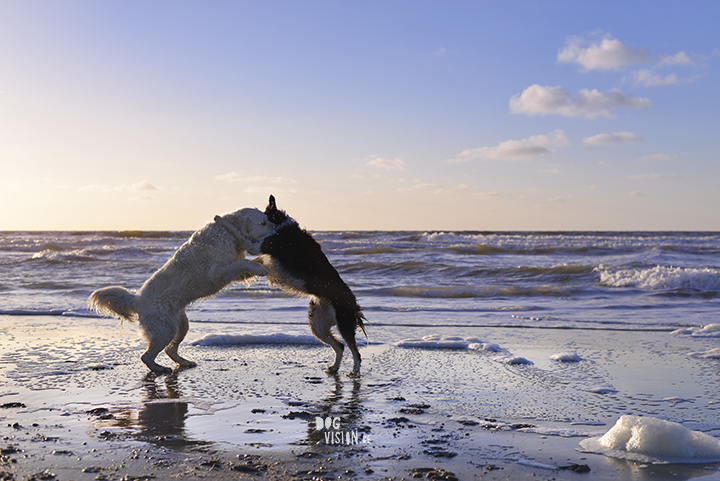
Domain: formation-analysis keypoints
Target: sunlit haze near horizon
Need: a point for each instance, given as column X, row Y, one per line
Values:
column 372, row 115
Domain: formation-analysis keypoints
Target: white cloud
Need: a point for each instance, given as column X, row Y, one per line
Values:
column 440, row 188
column 653, row 176
column 657, row 157
column 648, row 78
column 97, row 188
column 516, row 149
column 615, row 138
column 240, row 177
column 606, row 53
column 264, row 189
column 144, row 186
column 680, row 58
column 493, row 193
column 382, row 163
column 546, row 100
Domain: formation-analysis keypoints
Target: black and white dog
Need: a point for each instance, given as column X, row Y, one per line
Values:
column 295, row 261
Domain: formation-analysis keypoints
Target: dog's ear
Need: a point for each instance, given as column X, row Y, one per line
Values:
column 273, row 214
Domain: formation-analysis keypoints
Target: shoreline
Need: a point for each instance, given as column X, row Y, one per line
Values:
column 77, row 403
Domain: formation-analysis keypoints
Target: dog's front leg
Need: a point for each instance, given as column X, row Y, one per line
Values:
column 241, row 270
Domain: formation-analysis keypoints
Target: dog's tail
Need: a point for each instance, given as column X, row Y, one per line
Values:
column 114, row 300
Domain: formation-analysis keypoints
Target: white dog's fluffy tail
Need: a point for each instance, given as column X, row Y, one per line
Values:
column 114, row 300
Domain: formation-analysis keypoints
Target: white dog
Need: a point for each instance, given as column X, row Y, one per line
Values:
column 211, row 259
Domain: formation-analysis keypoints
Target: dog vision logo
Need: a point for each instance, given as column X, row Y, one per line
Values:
column 337, row 433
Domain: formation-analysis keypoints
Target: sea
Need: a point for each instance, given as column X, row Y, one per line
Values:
column 552, row 280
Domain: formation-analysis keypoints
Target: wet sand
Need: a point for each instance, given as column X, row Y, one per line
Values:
column 77, row 404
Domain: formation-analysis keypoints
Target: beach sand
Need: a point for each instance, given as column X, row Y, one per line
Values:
column 77, row 404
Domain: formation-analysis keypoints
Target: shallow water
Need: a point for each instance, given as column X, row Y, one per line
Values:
column 465, row 322
column 85, row 378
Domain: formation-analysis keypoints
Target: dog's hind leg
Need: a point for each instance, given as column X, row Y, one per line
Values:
column 322, row 318
column 350, row 341
column 158, row 332
column 154, row 348
column 172, row 349
column 346, row 322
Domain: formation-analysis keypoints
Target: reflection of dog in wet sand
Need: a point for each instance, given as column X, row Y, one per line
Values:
column 211, row 259
column 295, row 261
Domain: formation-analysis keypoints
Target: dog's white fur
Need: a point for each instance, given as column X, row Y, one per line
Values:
column 212, row 258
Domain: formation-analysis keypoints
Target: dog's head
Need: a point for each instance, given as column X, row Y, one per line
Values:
column 252, row 223
column 274, row 215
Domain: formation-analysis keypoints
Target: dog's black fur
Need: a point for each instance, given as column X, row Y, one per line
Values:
column 296, row 261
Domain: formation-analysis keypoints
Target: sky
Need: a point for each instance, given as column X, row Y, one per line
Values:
column 361, row 115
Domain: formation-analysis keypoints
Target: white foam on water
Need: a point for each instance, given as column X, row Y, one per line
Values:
column 439, row 341
column 676, row 400
column 513, row 360
column 560, row 432
column 652, row 440
column 240, row 339
column 566, row 357
column 602, row 390
column 485, row 347
column 535, row 464
column 709, row 354
column 711, row 330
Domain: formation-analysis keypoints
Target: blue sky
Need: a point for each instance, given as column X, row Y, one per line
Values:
column 517, row 115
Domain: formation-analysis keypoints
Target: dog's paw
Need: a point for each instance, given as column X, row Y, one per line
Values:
column 159, row 370
column 258, row 269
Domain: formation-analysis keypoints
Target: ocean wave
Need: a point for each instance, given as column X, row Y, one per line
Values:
column 59, row 254
column 463, row 292
column 579, row 243
column 50, row 312
column 661, row 278
column 371, row 250
column 124, row 234
column 478, row 249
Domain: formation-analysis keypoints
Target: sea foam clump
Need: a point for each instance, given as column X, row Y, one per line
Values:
column 485, row 347
column 709, row 354
column 437, row 341
column 566, row 357
column 711, row 330
column 652, row 440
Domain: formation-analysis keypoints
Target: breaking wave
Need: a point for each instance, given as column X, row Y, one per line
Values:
column 704, row 279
